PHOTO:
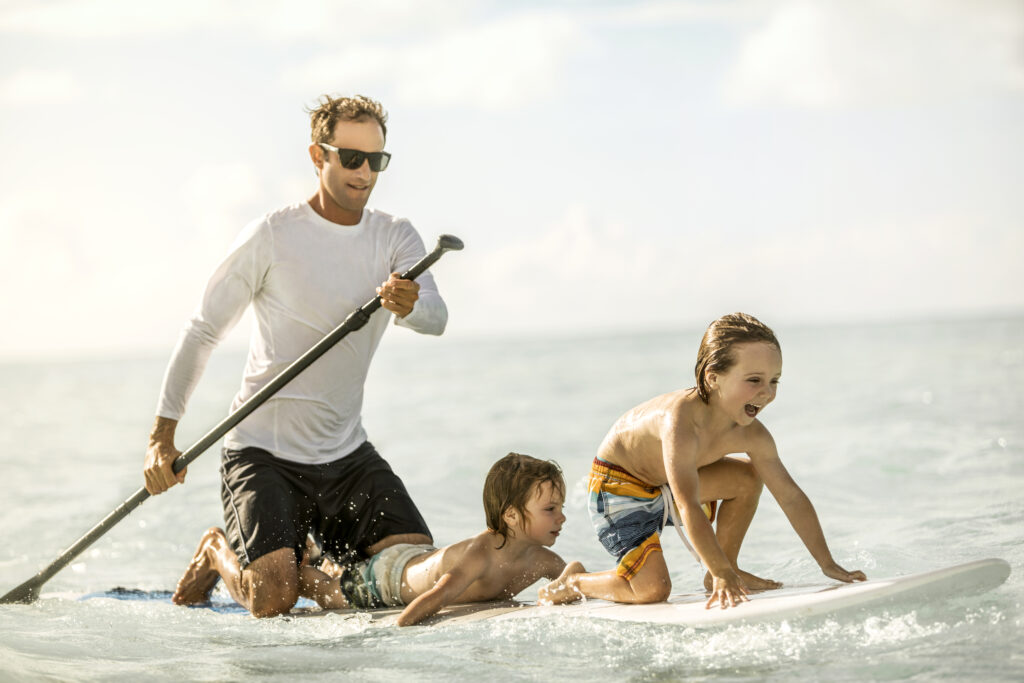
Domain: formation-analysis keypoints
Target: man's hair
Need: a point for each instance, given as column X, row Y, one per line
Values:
column 330, row 110
column 511, row 483
column 716, row 348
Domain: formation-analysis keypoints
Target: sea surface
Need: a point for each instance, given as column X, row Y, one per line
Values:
column 908, row 438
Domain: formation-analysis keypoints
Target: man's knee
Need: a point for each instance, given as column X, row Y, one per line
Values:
column 272, row 583
column 272, row 604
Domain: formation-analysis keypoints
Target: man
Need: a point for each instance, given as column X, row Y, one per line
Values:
column 301, row 463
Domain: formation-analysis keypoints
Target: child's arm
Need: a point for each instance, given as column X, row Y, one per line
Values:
column 796, row 505
column 447, row 589
column 550, row 564
column 681, row 468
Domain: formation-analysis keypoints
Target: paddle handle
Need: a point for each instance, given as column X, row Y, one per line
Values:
column 29, row 590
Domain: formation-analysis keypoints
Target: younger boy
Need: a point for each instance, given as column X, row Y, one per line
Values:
column 523, row 499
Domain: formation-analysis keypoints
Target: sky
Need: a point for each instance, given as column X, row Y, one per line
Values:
column 611, row 166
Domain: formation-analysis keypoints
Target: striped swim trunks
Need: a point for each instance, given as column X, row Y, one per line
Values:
column 627, row 514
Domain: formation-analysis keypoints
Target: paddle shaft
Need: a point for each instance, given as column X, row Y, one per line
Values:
column 29, row 591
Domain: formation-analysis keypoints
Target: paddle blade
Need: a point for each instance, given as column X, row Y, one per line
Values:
column 25, row 593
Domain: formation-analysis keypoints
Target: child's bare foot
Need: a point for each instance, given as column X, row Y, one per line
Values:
column 562, row 589
column 756, row 583
column 325, row 590
column 201, row 575
column 750, row 582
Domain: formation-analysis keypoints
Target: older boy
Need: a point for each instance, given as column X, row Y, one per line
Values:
column 679, row 446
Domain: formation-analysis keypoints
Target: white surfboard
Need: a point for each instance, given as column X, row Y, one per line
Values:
column 777, row 605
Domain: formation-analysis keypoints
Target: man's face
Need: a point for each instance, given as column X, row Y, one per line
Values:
column 346, row 191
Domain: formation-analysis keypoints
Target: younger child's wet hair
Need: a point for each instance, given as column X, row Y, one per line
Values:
column 511, row 483
column 716, row 348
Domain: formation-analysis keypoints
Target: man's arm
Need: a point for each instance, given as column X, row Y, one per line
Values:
column 426, row 313
column 680, row 453
column 228, row 293
column 796, row 505
column 447, row 589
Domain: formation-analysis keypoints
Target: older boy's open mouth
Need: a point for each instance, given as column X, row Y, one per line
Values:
column 751, row 409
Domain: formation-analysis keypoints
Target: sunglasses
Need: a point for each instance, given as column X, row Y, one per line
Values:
column 353, row 158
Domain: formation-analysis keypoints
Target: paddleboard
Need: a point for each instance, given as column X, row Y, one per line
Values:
column 783, row 604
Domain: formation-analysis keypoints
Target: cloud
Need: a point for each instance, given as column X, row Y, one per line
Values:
column 836, row 54
column 328, row 20
column 436, row 55
column 219, row 199
column 586, row 273
column 663, row 12
column 56, row 267
column 99, row 18
column 107, row 274
column 509, row 62
column 875, row 267
column 39, row 86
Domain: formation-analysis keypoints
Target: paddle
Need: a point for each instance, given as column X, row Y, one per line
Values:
column 29, row 591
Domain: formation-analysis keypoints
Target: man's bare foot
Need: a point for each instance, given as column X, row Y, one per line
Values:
column 201, row 575
column 750, row 582
column 562, row 589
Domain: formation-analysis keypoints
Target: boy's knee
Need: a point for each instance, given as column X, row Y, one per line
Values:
column 648, row 590
column 751, row 480
column 653, row 593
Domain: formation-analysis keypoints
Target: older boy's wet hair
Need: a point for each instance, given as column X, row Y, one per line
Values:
column 510, row 484
column 330, row 110
column 716, row 348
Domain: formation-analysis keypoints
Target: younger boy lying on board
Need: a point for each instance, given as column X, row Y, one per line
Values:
column 523, row 499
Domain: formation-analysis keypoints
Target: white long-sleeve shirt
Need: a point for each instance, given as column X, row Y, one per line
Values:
column 303, row 276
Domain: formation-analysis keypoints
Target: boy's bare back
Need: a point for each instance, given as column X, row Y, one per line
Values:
column 523, row 501
column 501, row 573
column 637, row 440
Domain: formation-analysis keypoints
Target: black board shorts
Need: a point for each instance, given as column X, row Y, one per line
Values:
column 348, row 504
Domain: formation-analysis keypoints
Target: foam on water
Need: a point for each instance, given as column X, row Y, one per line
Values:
column 908, row 439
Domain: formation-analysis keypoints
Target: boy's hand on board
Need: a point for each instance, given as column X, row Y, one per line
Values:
column 727, row 590
column 834, row 571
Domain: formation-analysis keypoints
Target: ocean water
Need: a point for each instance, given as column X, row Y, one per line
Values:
column 908, row 438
